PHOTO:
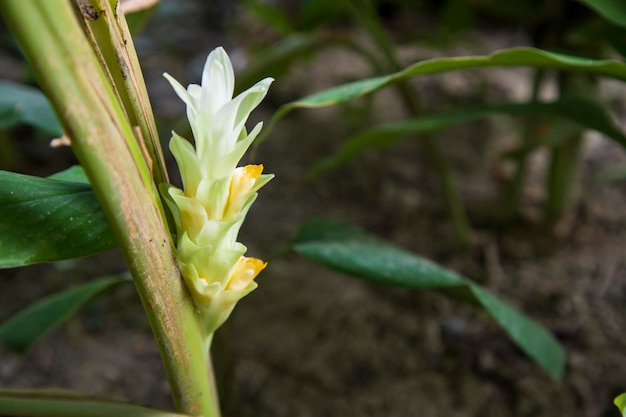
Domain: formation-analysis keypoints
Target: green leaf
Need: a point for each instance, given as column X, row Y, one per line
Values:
column 277, row 59
column 612, row 10
column 73, row 174
column 271, row 15
column 514, row 57
column 354, row 252
column 28, row 105
column 23, row 329
column 44, row 220
column 318, row 13
column 65, row 403
column 583, row 112
column 620, row 402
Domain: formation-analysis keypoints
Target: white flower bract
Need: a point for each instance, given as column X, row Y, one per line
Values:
column 216, row 194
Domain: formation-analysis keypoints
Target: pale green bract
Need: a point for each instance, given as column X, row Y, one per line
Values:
column 216, row 194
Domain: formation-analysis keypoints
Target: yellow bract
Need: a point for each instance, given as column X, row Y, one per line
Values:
column 241, row 184
column 244, row 273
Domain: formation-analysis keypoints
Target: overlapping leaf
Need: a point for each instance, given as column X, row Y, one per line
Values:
column 23, row 104
column 612, row 10
column 276, row 60
column 23, row 329
column 354, row 252
column 514, row 57
column 582, row 112
column 45, row 220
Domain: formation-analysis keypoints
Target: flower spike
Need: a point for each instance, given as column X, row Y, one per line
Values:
column 216, row 194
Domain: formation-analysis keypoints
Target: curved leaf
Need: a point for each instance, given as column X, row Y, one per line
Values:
column 514, row 57
column 64, row 403
column 354, row 252
column 583, row 112
column 612, row 10
column 44, row 220
column 271, row 15
column 277, row 59
column 23, row 329
column 28, row 105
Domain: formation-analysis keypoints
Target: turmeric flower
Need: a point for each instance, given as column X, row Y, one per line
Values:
column 216, row 194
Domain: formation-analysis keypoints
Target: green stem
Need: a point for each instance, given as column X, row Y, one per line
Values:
column 111, row 39
column 213, row 389
column 105, row 144
column 529, row 133
column 564, row 161
column 565, row 158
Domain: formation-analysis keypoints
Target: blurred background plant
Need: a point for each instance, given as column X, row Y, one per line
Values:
column 506, row 198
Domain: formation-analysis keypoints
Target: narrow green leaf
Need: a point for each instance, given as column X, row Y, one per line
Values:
column 64, row 403
column 612, row 10
column 270, row 15
column 277, row 58
column 44, row 220
column 514, row 57
column 583, row 112
column 28, row 105
column 317, row 13
column 620, row 402
column 23, row 329
column 531, row 337
column 354, row 252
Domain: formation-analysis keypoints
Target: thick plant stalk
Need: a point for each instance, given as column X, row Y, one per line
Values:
column 105, row 144
column 110, row 37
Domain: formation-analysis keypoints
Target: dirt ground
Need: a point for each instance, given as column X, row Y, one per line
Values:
column 309, row 342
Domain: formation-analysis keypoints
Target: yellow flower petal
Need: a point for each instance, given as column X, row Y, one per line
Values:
column 244, row 273
column 241, row 183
